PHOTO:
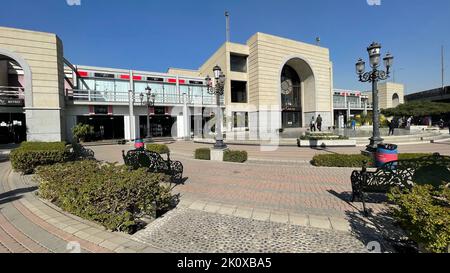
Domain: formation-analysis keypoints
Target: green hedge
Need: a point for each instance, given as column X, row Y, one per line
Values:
column 158, row 148
column 354, row 160
column 424, row 213
column 339, row 160
column 235, row 156
column 108, row 194
column 203, row 154
column 32, row 154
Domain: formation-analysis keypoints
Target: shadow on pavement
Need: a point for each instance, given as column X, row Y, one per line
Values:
column 10, row 199
column 16, row 193
column 380, row 233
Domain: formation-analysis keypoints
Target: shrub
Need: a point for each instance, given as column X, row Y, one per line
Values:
column 424, row 213
column 108, row 194
column 412, row 156
column 158, row 148
column 339, row 160
column 82, row 131
column 32, row 154
column 235, row 156
column 203, row 154
column 353, row 160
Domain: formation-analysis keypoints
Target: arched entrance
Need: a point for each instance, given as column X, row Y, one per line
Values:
column 14, row 82
column 395, row 100
column 291, row 98
column 298, row 96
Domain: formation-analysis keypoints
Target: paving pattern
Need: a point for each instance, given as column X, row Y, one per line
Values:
column 276, row 202
column 185, row 230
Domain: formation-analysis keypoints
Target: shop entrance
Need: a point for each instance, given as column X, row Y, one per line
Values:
column 105, row 127
column 160, row 125
column 13, row 128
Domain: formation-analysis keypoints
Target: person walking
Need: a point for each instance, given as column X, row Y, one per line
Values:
column 391, row 127
column 354, row 124
column 319, row 123
column 312, row 125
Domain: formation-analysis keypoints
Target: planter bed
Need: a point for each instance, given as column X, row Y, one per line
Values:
column 327, row 143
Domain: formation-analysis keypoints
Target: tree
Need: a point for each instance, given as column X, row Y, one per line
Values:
column 418, row 109
column 81, row 131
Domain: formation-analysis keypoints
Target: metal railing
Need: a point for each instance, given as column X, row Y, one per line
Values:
column 122, row 97
column 353, row 105
column 12, row 92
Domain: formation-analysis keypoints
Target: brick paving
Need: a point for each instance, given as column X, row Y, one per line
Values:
column 281, row 179
column 277, row 187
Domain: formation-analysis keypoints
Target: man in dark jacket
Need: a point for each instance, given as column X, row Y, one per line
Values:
column 319, row 123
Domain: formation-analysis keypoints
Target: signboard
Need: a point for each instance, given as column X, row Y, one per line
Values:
column 11, row 102
column 100, row 109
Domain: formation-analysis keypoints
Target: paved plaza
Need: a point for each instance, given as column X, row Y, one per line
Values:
column 276, row 202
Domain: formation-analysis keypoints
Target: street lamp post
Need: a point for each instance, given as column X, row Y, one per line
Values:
column 150, row 103
column 218, row 90
column 374, row 76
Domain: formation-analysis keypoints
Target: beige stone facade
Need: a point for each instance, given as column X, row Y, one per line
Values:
column 41, row 57
column 390, row 94
column 266, row 57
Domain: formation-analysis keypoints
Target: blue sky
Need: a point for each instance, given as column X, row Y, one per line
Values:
column 153, row 35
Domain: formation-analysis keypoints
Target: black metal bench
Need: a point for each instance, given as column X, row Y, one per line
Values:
column 400, row 173
column 79, row 152
column 141, row 158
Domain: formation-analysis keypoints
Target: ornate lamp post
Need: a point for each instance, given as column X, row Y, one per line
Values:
column 150, row 103
column 218, row 90
column 374, row 76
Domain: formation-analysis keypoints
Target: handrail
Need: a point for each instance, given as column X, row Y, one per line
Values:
column 115, row 96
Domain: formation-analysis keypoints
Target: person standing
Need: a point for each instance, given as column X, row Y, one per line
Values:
column 312, row 125
column 391, row 127
column 319, row 123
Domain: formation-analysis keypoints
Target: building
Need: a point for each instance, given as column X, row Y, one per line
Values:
column 348, row 104
column 272, row 83
column 435, row 95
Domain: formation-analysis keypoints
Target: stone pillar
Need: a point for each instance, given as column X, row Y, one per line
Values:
column 3, row 73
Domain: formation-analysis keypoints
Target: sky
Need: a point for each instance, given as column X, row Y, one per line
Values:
column 153, row 35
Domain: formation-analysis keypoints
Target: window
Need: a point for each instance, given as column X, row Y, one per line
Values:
column 240, row 119
column 238, row 91
column 238, row 63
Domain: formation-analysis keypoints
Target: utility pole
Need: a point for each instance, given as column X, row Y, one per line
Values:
column 443, row 67
column 227, row 18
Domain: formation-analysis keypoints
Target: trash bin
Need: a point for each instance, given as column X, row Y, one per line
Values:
column 139, row 143
column 386, row 153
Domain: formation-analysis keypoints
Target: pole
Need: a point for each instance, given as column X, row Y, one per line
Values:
column 219, row 137
column 148, row 117
column 443, row 68
column 375, row 139
column 227, row 18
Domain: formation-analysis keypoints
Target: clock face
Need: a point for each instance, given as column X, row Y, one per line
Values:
column 286, row 87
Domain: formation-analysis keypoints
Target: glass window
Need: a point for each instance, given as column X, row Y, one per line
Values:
column 238, row 63
column 339, row 101
column 240, row 119
column 122, row 86
column 238, row 91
